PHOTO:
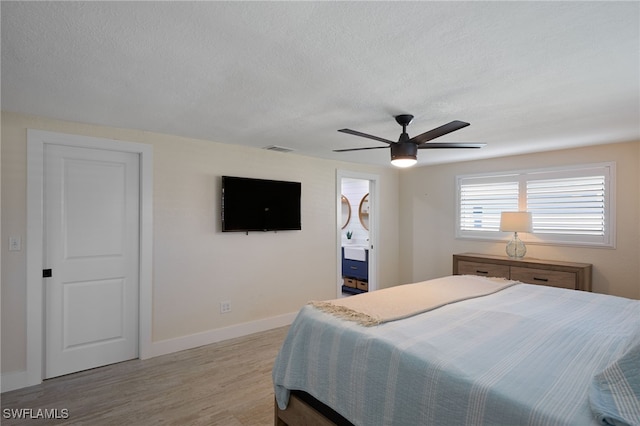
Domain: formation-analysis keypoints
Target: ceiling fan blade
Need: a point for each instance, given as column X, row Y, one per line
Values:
column 436, row 145
column 364, row 135
column 439, row 131
column 360, row 149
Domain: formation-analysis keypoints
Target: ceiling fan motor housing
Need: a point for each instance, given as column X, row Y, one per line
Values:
column 404, row 150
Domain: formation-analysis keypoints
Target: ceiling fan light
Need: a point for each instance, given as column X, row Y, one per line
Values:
column 404, row 162
column 404, row 154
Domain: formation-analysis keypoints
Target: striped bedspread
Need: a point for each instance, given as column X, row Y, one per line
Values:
column 526, row 355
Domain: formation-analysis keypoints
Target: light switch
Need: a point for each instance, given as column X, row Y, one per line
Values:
column 15, row 244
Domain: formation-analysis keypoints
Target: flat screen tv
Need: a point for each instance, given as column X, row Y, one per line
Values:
column 260, row 205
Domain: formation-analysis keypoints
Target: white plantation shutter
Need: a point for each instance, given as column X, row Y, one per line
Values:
column 569, row 206
column 481, row 204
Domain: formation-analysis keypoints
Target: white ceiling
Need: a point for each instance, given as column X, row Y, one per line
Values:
column 528, row 76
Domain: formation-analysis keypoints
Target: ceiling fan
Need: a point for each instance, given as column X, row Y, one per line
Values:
column 404, row 153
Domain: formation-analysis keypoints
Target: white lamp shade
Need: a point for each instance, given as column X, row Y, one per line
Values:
column 515, row 222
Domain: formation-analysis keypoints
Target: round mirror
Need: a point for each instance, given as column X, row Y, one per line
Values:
column 363, row 212
column 346, row 212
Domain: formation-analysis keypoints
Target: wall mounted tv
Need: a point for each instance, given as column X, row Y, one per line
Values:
column 260, row 205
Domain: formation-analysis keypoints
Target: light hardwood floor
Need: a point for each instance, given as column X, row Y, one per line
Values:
column 227, row 383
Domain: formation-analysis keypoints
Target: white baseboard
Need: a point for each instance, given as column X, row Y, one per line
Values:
column 14, row 380
column 191, row 341
column 18, row 379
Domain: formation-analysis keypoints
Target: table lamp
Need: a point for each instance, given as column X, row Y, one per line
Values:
column 515, row 222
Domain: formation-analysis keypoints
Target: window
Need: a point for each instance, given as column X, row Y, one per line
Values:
column 482, row 202
column 569, row 206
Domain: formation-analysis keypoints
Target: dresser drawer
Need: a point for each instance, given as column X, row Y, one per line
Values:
column 544, row 277
column 553, row 273
column 483, row 269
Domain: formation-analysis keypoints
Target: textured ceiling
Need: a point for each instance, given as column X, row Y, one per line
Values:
column 528, row 76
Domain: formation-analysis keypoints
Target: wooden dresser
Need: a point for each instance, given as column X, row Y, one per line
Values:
column 528, row 270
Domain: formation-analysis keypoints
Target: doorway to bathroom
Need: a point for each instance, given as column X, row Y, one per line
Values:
column 357, row 213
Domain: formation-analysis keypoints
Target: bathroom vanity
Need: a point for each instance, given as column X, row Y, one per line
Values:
column 355, row 269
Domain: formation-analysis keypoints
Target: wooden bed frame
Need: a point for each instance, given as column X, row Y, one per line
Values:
column 303, row 409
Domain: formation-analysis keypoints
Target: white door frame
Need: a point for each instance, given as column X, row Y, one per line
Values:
column 36, row 141
column 374, row 208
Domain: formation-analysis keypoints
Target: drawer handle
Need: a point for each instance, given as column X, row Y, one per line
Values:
column 481, row 272
column 353, row 267
column 541, row 279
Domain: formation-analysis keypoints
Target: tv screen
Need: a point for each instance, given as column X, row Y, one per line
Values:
column 260, row 205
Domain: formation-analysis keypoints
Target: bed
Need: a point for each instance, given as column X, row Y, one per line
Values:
column 520, row 355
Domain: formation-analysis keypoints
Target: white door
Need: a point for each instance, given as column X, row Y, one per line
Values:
column 91, row 245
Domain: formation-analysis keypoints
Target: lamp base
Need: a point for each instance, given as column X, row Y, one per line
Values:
column 516, row 248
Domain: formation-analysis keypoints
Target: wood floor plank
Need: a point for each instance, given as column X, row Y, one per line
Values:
column 227, row 383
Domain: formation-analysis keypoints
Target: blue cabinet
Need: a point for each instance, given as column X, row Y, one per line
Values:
column 355, row 270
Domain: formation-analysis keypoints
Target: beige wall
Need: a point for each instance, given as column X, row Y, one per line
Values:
column 195, row 266
column 428, row 218
column 267, row 274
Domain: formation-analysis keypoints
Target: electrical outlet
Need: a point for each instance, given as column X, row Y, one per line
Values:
column 15, row 244
column 225, row 307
